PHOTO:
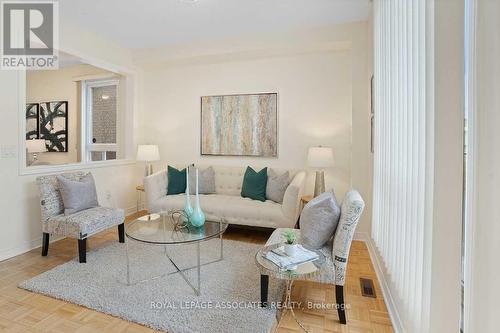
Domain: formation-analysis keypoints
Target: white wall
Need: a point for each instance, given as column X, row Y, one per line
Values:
column 314, row 107
column 60, row 85
column 484, row 307
column 19, row 203
column 322, row 81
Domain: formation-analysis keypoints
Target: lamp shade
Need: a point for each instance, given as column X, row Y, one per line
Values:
column 148, row 153
column 320, row 157
column 36, row 146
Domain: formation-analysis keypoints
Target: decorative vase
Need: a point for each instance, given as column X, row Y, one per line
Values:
column 290, row 249
column 188, row 209
column 197, row 218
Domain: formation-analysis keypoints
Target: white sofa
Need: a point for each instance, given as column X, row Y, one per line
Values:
column 227, row 202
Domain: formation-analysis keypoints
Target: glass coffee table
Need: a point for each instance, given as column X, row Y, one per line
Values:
column 301, row 272
column 163, row 230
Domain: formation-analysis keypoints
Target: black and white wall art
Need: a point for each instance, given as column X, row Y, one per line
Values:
column 53, row 125
column 31, row 121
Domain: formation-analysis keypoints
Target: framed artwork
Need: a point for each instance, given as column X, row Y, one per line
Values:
column 53, row 125
column 240, row 125
column 31, row 121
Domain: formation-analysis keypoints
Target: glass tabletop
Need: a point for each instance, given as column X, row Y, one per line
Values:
column 162, row 229
column 302, row 271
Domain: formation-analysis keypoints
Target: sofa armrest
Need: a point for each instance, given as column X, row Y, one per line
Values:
column 155, row 187
column 291, row 200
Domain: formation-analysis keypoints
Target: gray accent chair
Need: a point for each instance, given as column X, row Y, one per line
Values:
column 336, row 251
column 79, row 225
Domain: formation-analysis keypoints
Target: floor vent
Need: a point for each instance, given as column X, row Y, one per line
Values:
column 367, row 288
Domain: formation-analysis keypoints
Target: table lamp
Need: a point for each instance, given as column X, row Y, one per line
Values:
column 34, row 147
column 148, row 154
column 320, row 158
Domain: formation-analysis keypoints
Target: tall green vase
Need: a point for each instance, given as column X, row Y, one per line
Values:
column 197, row 218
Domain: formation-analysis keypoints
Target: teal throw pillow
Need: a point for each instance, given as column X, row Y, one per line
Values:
column 254, row 184
column 176, row 181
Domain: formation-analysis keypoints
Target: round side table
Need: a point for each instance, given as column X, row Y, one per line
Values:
column 302, row 272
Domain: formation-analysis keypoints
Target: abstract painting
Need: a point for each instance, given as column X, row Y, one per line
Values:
column 54, row 125
column 31, row 121
column 240, row 125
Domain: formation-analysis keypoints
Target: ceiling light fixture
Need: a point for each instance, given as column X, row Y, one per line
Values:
column 105, row 97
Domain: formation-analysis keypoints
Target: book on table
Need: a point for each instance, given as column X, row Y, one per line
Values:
column 278, row 257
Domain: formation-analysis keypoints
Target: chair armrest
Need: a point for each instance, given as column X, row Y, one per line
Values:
column 352, row 208
column 291, row 199
column 155, row 187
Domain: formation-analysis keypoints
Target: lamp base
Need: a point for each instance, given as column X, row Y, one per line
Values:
column 319, row 184
column 148, row 170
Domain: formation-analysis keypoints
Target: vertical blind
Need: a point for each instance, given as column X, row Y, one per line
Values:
column 399, row 143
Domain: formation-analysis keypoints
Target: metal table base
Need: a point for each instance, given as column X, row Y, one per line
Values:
column 197, row 288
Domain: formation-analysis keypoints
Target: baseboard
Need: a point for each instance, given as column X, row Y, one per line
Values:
column 131, row 210
column 25, row 247
column 396, row 321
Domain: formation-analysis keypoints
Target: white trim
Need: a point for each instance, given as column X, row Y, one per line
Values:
column 93, row 77
column 27, row 246
column 397, row 323
column 47, row 169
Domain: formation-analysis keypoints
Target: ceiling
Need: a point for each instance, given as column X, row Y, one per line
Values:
column 137, row 24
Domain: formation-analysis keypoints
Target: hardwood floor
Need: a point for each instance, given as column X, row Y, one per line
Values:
column 23, row 311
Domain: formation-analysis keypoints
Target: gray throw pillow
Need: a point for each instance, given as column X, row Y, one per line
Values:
column 276, row 185
column 77, row 195
column 206, row 180
column 319, row 220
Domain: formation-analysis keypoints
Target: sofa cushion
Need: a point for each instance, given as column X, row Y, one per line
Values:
column 206, row 180
column 319, row 220
column 176, row 181
column 84, row 223
column 276, row 185
column 254, row 184
column 77, row 195
column 234, row 209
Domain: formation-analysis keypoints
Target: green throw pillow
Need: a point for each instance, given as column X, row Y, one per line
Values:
column 176, row 181
column 254, row 184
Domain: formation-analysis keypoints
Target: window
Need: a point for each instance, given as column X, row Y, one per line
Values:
column 100, row 98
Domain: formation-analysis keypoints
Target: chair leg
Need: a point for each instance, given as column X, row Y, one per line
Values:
column 121, row 233
column 82, row 250
column 45, row 244
column 339, row 295
column 264, row 287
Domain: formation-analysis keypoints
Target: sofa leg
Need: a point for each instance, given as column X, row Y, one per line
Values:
column 82, row 250
column 45, row 244
column 339, row 295
column 264, row 287
column 121, row 233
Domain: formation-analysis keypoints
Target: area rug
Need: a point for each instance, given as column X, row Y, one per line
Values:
column 230, row 289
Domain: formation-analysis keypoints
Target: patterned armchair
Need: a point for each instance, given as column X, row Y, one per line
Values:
column 79, row 225
column 336, row 250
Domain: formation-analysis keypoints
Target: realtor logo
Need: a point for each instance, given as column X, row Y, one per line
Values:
column 29, row 35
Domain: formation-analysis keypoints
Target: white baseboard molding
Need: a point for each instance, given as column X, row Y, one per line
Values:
column 26, row 247
column 396, row 321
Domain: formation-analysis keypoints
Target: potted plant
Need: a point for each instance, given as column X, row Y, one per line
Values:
column 290, row 239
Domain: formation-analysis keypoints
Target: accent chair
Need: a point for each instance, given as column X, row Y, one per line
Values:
column 79, row 225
